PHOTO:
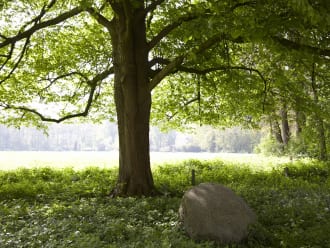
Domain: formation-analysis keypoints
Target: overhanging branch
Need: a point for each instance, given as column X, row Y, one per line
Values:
column 43, row 11
column 25, row 47
column 70, row 116
column 167, row 29
column 243, row 4
column 220, row 68
column 173, row 65
column 26, row 35
column 38, row 26
column 7, row 56
column 301, row 47
column 227, row 67
column 168, row 69
column 93, row 85
column 52, row 81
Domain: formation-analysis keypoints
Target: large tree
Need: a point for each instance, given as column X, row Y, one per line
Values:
column 67, row 55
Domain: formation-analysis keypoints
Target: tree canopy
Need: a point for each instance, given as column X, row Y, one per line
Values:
column 212, row 62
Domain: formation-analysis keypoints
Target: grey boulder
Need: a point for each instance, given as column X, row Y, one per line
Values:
column 214, row 212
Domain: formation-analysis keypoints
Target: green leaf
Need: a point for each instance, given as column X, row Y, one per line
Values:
column 236, row 33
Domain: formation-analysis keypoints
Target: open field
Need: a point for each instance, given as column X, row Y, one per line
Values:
column 10, row 160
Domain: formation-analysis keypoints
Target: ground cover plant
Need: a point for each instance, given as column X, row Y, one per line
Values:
column 45, row 207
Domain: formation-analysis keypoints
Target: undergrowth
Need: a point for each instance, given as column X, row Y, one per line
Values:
column 66, row 208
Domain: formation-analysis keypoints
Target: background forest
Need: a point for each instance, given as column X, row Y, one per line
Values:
column 104, row 137
column 277, row 137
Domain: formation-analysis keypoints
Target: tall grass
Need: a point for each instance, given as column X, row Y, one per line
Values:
column 47, row 207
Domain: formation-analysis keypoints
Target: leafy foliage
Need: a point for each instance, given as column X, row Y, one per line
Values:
column 66, row 208
column 229, row 50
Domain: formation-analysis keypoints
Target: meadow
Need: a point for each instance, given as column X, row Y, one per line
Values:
column 70, row 206
column 11, row 160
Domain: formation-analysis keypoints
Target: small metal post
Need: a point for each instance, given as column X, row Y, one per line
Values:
column 193, row 177
column 286, row 171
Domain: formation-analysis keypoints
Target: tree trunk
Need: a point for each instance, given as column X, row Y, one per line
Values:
column 300, row 120
column 285, row 126
column 318, row 120
column 276, row 131
column 322, row 139
column 133, row 101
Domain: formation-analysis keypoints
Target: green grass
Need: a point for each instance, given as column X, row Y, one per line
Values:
column 12, row 160
column 47, row 207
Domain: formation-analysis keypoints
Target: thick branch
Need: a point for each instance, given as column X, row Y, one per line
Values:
column 238, row 5
column 8, row 56
column 207, row 70
column 175, row 63
column 301, row 47
column 101, row 76
column 35, row 20
column 159, row 61
column 168, row 69
column 42, row 13
column 167, row 29
column 25, row 47
column 153, row 6
column 115, row 5
column 29, row 32
column 220, row 68
column 70, row 116
column 41, row 25
column 100, row 18
column 209, row 43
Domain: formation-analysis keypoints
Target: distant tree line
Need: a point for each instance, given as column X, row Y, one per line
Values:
column 63, row 137
column 104, row 137
column 209, row 139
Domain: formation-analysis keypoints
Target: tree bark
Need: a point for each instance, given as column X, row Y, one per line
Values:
column 322, row 139
column 285, row 126
column 318, row 120
column 300, row 120
column 276, row 131
column 133, row 101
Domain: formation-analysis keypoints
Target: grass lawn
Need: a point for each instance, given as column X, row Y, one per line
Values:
column 70, row 207
column 12, row 160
